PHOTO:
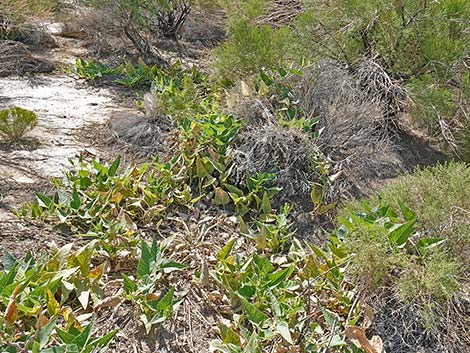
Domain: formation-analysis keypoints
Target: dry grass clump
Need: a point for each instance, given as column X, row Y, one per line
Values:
column 288, row 153
column 16, row 59
column 379, row 87
column 400, row 326
column 356, row 132
column 279, row 13
column 144, row 135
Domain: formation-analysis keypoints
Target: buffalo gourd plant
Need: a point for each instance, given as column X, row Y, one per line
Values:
column 143, row 289
column 284, row 298
column 15, row 122
column 36, row 293
column 254, row 195
column 95, row 196
column 205, row 147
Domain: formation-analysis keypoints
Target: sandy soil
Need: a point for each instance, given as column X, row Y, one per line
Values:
column 66, row 110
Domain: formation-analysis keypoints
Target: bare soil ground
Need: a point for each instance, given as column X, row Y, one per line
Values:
column 68, row 115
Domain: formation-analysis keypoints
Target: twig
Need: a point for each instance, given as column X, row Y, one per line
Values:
column 331, row 335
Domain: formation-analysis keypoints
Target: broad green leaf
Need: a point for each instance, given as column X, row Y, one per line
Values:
column 228, row 335
column 75, row 202
column 8, row 278
column 105, row 340
column 8, row 260
column 45, row 333
column 170, row 266
column 82, row 339
column 283, row 329
column 247, row 291
column 275, row 305
column 43, row 200
column 266, row 79
column 233, row 190
column 64, row 336
column 129, row 285
column 407, row 213
column 329, row 316
column 280, row 276
column 146, row 260
column 424, row 244
column 165, row 305
column 253, row 314
column 399, row 234
column 339, row 251
column 114, row 167
column 262, row 265
column 226, row 250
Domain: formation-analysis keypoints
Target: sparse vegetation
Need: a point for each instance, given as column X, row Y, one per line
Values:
column 429, row 270
column 262, row 207
column 15, row 122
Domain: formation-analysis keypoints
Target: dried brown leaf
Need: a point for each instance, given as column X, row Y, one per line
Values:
column 11, row 311
column 109, row 302
column 358, row 336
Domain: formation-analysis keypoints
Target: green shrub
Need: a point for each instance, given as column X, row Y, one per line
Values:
column 431, row 100
column 406, row 35
column 434, row 193
column 15, row 122
column 427, row 268
column 421, row 44
column 251, row 48
column 184, row 93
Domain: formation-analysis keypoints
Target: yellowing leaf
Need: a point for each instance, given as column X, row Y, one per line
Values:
column 53, row 307
column 266, row 204
column 317, row 194
column 245, row 89
column 116, row 197
column 221, row 197
column 11, row 312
